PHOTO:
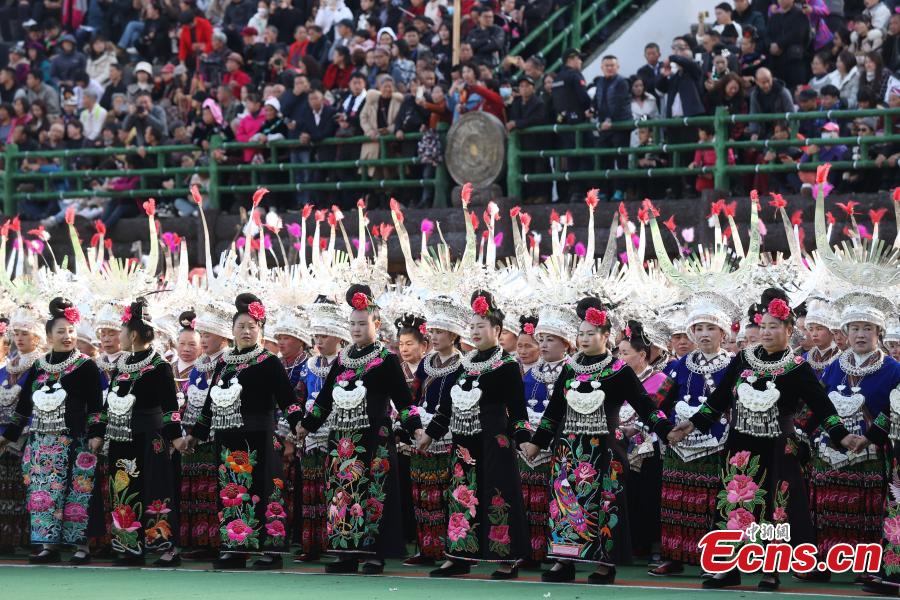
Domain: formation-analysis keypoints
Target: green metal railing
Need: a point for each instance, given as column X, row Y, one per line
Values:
column 570, row 25
column 721, row 171
column 279, row 161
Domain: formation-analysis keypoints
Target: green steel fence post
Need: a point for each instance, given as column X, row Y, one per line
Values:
column 10, row 206
column 513, row 167
column 213, row 196
column 576, row 24
column 720, row 171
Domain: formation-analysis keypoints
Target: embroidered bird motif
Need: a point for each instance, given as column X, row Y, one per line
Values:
column 569, row 508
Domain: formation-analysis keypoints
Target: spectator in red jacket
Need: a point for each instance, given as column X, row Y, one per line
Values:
column 337, row 75
column 706, row 158
column 195, row 38
column 234, row 77
column 492, row 101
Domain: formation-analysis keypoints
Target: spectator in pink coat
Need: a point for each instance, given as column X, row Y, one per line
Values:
column 250, row 124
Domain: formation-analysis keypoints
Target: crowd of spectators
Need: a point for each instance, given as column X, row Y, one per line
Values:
column 162, row 73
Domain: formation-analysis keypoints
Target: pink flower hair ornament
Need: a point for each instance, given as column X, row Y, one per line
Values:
column 257, row 311
column 595, row 317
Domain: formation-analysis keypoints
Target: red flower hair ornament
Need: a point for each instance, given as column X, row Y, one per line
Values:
column 72, row 315
column 528, row 328
column 423, row 329
column 257, row 311
column 126, row 316
column 595, row 317
column 779, row 309
column 360, row 301
column 480, row 306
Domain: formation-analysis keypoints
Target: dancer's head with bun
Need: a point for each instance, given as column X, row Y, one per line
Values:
column 527, row 348
column 776, row 320
column 486, row 321
column 137, row 331
column 61, row 326
column 593, row 332
column 365, row 318
column 634, row 348
column 248, row 321
column 188, row 343
column 412, row 338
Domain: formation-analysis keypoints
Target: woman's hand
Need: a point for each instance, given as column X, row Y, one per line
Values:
column 423, row 440
column 95, row 444
column 681, row 431
column 529, row 450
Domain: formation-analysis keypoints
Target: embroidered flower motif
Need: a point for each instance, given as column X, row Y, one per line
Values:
column 238, row 530
column 257, row 311
column 346, row 375
column 275, row 529
column 359, row 301
column 615, row 466
column 374, row 509
column 741, row 489
column 779, row 515
column 85, row 461
column 740, row 459
column 123, row 517
column 480, row 306
column 466, row 498
column 779, row 309
column 584, row 473
column 126, row 316
column 457, row 527
column 345, row 448
column 499, row 534
column 740, row 519
column 798, row 360
column 42, row 378
column 233, row 494
column 239, row 462
column 891, row 528
column 502, row 441
column 595, row 317
column 746, row 373
column 40, row 501
column 458, row 471
column 278, row 483
column 374, row 363
column 72, row 315
column 498, row 501
column 582, row 377
column 528, row 328
column 75, row 513
column 158, row 507
column 464, row 454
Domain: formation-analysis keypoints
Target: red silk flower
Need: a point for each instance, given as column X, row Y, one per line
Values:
column 72, row 315
column 779, row 309
column 735, row 327
column 126, row 316
column 757, row 318
column 195, row 194
column 528, row 328
column 257, row 311
column 480, row 306
column 423, row 329
column 595, row 317
column 359, row 301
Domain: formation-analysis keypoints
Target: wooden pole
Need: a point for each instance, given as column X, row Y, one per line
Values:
column 457, row 17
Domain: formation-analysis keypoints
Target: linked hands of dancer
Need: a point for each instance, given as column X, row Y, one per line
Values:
column 852, row 442
column 185, row 444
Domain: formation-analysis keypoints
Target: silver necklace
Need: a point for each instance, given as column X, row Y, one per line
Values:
column 125, row 367
column 356, row 363
column 470, row 366
column 851, row 369
column 23, row 363
column 821, row 365
column 231, row 357
column 767, row 367
column 61, row 366
column 548, row 373
column 589, row 369
column 713, row 366
column 438, row 372
column 321, row 372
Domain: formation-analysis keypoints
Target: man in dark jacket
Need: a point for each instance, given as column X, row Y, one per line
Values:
column 745, row 16
column 788, row 35
column 528, row 110
column 649, row 72
column 487, row 40
column 612, row 102
column 67, row 63
column 769, row 96
column 680, row 80
column 236, row 17
column 571, row 105
column 317, row 122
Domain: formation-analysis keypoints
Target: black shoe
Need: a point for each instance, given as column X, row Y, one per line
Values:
column 129, row 560
column 80, row 558
column 768, row 584
column 733, row 578
column 457, row 568
column 45, row 557
column 813, row 576
column 267, row 563
column 371, row 568
column 417, row 560
column 669, row 567
column 881, row 588
column 160, row 562
column 566, row 573
column 529, row 565
column 342, row 566
column 608, row 579
column 503, row 575
column 201, row 554
column 234, row 561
